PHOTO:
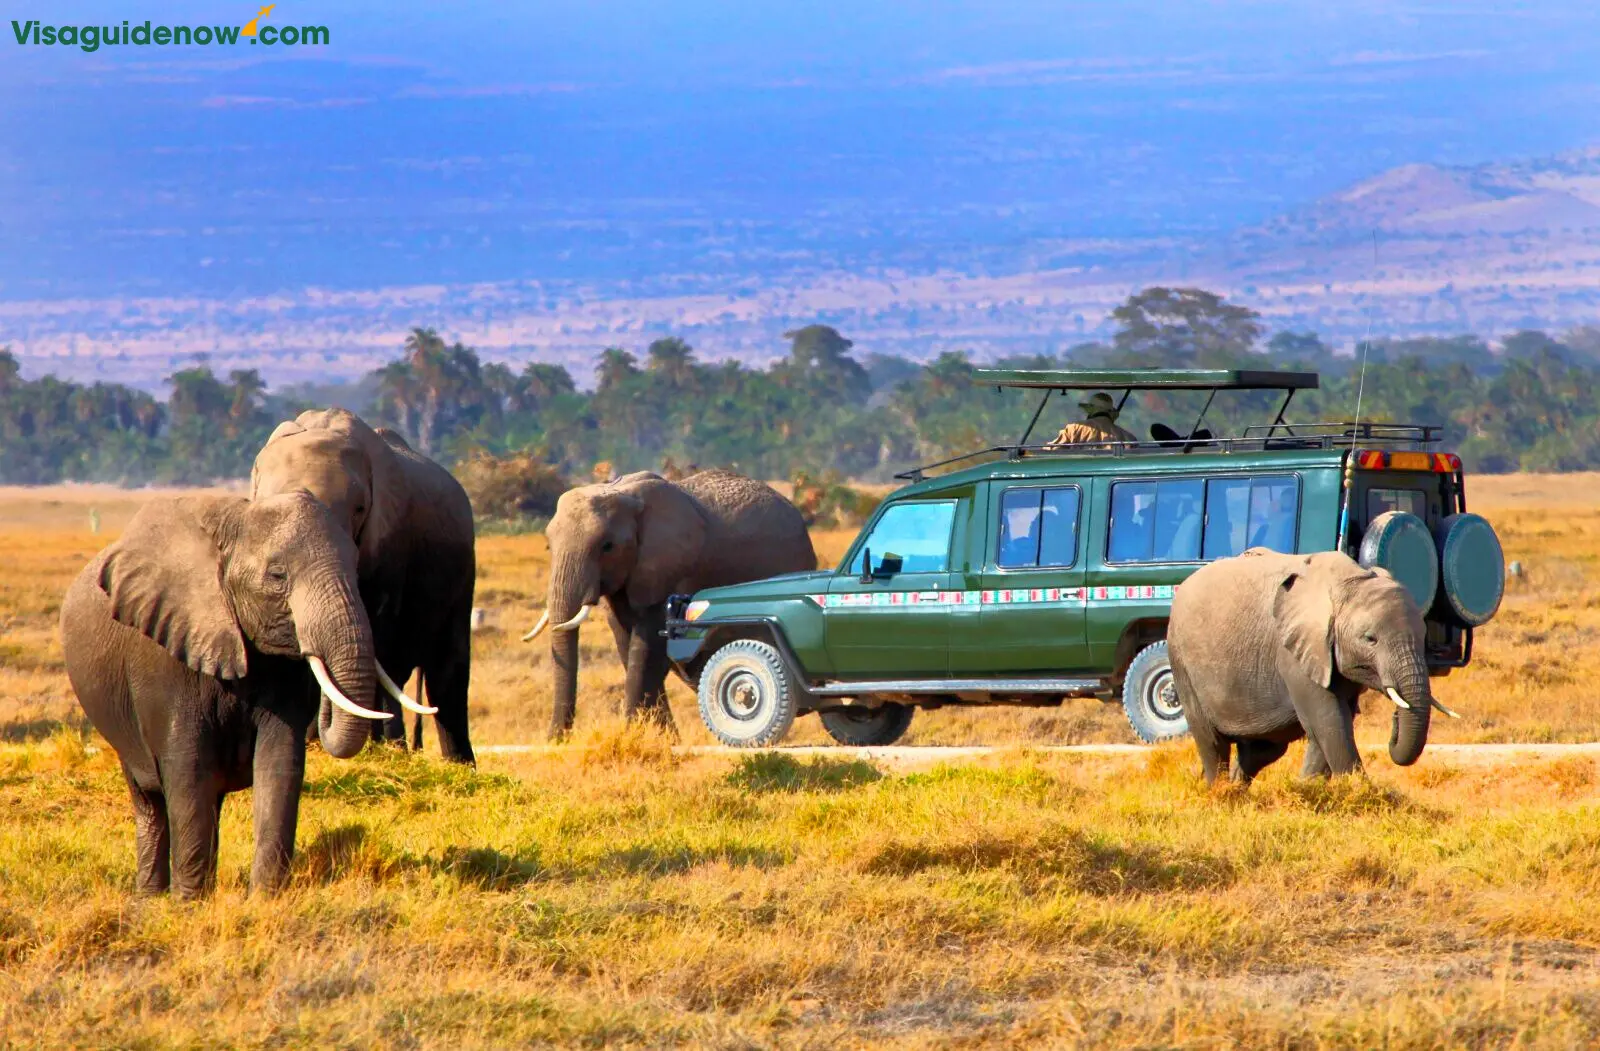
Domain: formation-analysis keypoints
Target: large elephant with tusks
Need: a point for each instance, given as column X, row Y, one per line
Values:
column 633, row 542
column 412, row 526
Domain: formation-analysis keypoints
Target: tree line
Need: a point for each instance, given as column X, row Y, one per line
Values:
column 1533, row 403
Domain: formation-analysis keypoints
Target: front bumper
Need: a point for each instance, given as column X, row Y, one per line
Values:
column 684, row 641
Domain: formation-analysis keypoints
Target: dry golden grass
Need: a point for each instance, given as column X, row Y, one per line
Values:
column 619, row 893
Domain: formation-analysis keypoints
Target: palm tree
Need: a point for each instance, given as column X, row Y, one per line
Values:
column 615, row 367
column 672, row 359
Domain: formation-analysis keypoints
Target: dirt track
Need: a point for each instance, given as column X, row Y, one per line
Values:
column 906, row 756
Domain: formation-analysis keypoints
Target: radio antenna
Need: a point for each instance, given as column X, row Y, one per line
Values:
column 1361, row 386
column 1366, row 340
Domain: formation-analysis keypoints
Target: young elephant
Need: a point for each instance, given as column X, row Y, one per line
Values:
column 633, row 542
column 196, row 645
column 1268, row 648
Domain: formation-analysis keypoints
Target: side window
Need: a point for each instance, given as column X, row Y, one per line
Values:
column 1156, row 521
column 917, row 533
column 1250, row 512
column 1038, row 527
column 1412, row 501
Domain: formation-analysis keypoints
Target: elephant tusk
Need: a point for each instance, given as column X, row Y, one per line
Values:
column 1442, row 708
column 400, row 695
column 582, row 615
column 324, row 680
column 1394, row 695
column 544, row 618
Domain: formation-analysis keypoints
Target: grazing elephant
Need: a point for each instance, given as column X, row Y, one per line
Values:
column 412, row 525
column 193, row 643
column 633, row 542
column 1268, row 648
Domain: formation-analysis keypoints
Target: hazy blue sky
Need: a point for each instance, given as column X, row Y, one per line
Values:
column 628, row 141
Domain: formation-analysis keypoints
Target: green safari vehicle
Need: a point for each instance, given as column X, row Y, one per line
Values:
column 1027, row 575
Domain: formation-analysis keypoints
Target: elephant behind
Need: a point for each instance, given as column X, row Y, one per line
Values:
column 193, row 643
column 641, row 538
column 412, row 525
column 1267, row 648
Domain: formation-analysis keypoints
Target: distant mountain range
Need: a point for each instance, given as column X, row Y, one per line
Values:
column 1415, row 250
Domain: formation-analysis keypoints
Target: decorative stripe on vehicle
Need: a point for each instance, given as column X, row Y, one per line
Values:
column 996, row 597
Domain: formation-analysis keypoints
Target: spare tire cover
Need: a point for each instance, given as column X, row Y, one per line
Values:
column 1400, row 542
column 1473, row 568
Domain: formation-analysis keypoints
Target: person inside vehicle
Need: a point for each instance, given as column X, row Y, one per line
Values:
column 1099, row 426
column 1019, row 539
column 1277, row 531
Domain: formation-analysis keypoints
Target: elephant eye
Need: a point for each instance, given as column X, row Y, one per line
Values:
column 607, row 546
column 1369, row 637
column 277, row 574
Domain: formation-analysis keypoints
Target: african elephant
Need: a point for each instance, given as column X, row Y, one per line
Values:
column 412, row 525
column 1267, row 648
column 193, row 643
column 633, row 542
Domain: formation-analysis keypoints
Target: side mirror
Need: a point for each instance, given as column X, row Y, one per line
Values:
column 866, row 566
column 891, row 564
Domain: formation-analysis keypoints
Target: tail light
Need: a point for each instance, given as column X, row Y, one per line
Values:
column 1380, row 460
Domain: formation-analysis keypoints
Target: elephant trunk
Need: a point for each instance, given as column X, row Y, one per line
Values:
column 1409, row 734
column 572, row 587
column 333, row 628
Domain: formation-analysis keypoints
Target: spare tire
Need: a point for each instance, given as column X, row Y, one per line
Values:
column 1472, row 568
column 1400, row 542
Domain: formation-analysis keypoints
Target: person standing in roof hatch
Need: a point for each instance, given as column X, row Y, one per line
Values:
column 1098, row 427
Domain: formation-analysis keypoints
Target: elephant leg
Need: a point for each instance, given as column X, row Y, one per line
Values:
column 390, row 731
column 448, row 675
column 1255, row 756
column 278, row 774
column 645, row 692
column 1212, row 746
column 1329, row 724
column 416, row 720
column 1315, row 765
column 193, row 808
column 621, row 633
column 152, row 838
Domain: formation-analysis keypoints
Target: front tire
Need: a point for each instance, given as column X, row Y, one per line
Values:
column 1150, row 697
column 746, row 700
column 865, row 727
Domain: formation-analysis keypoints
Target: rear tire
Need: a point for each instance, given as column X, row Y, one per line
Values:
column 1150, row 697
column 864, row 727
column 746, row 700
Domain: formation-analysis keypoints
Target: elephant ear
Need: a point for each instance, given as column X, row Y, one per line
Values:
column 1303, row 611
column 672, row 536
column 164, row 579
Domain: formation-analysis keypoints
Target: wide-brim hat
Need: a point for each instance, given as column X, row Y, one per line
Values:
column 1099, row 405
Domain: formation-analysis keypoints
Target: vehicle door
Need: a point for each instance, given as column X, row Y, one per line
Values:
column 895, row 621
column 1033, row 577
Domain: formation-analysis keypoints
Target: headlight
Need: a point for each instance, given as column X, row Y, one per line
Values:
column 694, row 609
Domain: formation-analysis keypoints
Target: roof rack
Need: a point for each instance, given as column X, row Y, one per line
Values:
column 1129, row 380
column 1147, row 379
column 1258, row 438
column 1276, row 435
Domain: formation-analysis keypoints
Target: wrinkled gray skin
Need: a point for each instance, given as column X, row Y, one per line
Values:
column 184, row 642
column 412, row 524
column 1268, row 648
column 641, row 538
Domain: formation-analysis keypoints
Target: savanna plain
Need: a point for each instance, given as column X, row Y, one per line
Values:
column 618, row 892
